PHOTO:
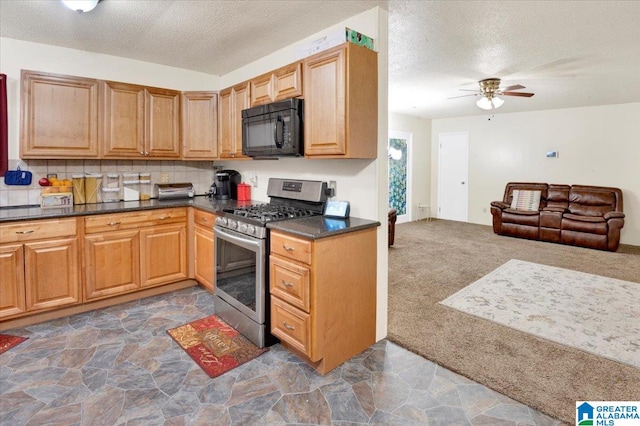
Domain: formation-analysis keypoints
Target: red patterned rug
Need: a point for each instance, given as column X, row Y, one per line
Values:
column 7, row 342
column 214, row 345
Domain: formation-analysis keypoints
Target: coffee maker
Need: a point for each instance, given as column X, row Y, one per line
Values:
column 225, row 185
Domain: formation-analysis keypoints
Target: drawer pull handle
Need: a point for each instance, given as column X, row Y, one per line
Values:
column 31, row 231
column 287, row 284
column 164, row 217
column 114, row 223
column 287, row 326
column 287, row 248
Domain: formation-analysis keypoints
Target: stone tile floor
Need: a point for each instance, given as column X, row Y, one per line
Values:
column 118, row 366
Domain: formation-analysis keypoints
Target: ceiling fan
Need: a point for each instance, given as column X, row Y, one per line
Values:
column 490, row 90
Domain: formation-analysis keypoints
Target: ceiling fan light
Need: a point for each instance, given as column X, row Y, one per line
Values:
column 484, row 103
column 497, row 102
column 81, row 5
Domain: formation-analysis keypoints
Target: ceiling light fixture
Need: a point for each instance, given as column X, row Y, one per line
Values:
column 489, row 102
column 81, row 6
column 490, row 89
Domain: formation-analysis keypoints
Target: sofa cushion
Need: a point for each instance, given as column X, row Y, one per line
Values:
column 558, row 197
column 585, row 202
column 589, row 225
column 521, row 217
column 525, row 200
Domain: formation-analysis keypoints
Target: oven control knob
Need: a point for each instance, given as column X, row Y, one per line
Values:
column 232, row 224
column 242, row 227
column 221, row 221
column 251, row 230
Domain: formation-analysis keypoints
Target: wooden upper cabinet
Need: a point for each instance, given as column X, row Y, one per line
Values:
column 199, row 125
column 139, row 121
column 59, row 116
column 261, row 89
column 287, row 81
column 283, row 83
column 341, row 103
column 122, row 120
column 162, row 130
column 232, row 101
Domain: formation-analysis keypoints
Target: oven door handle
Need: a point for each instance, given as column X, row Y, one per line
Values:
column 257, row 243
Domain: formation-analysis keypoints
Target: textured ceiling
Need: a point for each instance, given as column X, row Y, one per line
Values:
column 570, row 53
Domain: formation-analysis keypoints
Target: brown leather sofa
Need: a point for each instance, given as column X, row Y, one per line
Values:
column 580, row 215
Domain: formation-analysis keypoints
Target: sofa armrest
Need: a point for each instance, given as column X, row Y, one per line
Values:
column 613, row 215
column 500, row 204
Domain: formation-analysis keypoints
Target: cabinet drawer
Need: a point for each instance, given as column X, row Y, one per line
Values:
column 203, row 218
column 291, row 325
column 290, row 282
column 291, row 247
column 36, row 230
column 137, row 219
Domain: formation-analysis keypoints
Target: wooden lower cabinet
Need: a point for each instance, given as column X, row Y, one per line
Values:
column 39, row 266
column 112, row 263
column 203, row 254
column 163, row 254
column 12, row 301
column 125, row 252
column 323, row 295
column 51, row 273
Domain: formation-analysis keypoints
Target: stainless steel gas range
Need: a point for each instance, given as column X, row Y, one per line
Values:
column 241, row 247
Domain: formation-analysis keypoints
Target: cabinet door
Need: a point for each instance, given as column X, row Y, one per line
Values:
column 225, row 125
column 12, row 301
column 261, row 89
column 59, row 116
column 112, row 263
column 240, row 94
column 122, row 120
column 163, row 254
column 325, row 100
column 162, row 130
column 287, row 82
column 51, row 273
column 232, row 102
column 204, row 256
column 200, row 125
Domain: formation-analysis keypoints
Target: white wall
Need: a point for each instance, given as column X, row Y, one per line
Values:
column 420, row 159
column 597, row 146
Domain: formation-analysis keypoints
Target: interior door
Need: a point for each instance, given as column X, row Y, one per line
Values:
column 453, row 176
column 399, row 160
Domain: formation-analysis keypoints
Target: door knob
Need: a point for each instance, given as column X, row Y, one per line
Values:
column 462, row 183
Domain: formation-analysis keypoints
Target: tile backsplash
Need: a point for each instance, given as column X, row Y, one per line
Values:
column 199, row 173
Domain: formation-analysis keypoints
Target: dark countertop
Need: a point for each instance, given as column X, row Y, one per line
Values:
column 316, row 227
column 312, row 227
column 35, row 212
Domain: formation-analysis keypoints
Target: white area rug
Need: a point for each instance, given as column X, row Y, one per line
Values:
column 596, row 314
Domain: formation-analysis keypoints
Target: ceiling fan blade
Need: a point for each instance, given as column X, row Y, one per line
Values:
column 522, row 94
column 464, row 96
column 515, row 87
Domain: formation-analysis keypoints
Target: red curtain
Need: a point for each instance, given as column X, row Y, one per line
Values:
column 4, row 126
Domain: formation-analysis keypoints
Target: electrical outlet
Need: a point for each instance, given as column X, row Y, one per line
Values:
column 253, row 178
column 333, row 185
column 164, row 177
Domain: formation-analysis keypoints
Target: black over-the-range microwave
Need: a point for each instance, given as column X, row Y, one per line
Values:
column 274, row 129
